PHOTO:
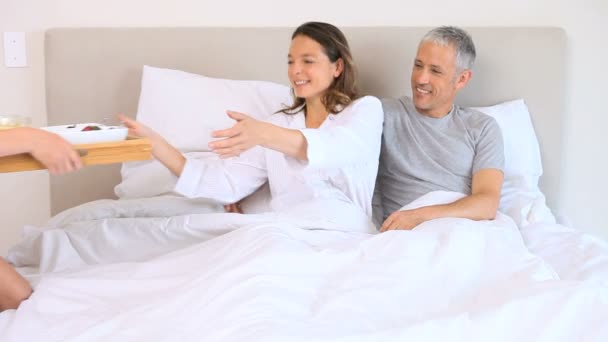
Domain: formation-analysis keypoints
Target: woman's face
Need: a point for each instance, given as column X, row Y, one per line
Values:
column 310, row 71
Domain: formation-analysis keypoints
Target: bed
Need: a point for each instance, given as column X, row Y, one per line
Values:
column 155, row 266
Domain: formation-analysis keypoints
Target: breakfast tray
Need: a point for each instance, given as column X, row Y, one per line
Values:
column 131, row 149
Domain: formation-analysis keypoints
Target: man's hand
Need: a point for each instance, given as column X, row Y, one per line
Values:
column 480, row 205
column 403, row 220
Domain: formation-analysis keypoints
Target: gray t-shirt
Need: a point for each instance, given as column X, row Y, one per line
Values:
column 422, row 154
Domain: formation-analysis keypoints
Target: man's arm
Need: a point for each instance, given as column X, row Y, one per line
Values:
column 482, row 204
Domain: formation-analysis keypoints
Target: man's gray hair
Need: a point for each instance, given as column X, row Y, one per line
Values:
column 459, row 39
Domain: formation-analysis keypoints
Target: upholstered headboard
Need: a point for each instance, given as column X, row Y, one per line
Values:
column 94, row 73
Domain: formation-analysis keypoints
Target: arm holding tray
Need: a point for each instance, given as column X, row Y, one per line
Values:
column 131, row 149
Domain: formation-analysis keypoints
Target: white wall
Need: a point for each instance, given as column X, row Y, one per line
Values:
column 24, row 197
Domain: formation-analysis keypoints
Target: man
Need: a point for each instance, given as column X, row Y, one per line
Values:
column 431, row 144
column 59, row 157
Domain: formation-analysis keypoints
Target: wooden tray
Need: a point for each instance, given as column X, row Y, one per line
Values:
column 92, row 154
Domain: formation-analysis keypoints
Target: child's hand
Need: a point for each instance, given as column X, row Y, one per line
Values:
column 56, row 154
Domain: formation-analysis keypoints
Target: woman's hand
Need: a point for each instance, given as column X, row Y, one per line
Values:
column 234, row 208
column 245, row 134
column 161, row 149
column 137, row 128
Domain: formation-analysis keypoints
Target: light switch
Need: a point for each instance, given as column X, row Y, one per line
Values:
column 14, row 50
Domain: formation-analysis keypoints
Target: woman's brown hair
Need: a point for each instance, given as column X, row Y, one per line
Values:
column 343, row 89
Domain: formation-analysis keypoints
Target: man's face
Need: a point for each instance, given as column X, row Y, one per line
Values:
column 435, row 80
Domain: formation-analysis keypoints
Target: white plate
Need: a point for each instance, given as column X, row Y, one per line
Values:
column 76, row 136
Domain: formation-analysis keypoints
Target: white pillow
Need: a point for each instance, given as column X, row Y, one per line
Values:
column 521, row 197
column 522, row 153
column 185, row 108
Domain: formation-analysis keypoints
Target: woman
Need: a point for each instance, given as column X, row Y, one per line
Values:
column 324, row 147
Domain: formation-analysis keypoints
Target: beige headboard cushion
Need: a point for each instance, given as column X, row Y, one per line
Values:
column 94, row 73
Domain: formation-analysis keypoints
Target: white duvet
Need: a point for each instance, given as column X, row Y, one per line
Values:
column 114, row 271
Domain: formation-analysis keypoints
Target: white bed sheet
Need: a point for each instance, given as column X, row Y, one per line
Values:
column 273, row 277
column 573, row 254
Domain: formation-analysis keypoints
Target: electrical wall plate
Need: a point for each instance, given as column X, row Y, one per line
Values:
column 14, row 50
